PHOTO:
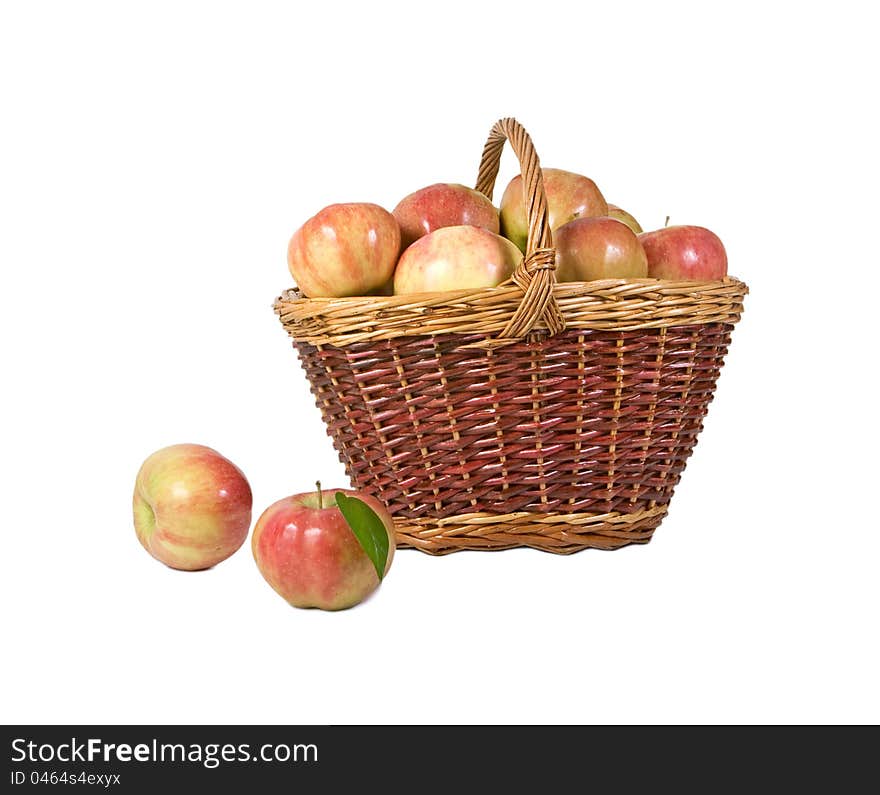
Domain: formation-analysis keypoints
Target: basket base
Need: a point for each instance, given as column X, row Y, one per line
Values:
column 561, row 534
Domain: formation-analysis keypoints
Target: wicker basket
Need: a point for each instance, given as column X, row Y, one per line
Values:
column 553, row 416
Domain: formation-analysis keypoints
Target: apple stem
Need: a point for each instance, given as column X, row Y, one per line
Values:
column 667, row 222
column 320, row 495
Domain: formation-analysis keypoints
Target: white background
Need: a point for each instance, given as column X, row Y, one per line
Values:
column 156, row 158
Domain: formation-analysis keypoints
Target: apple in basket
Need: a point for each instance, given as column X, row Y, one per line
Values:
column 328, row 550
column 344, row 250
column 624, row 217
column 455, row 258
column 440, row 205
column 569, row 196
column 192, row 506
column 684, row 253
column 598, row 248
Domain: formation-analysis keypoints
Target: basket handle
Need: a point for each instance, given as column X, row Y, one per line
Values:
column 536, row 274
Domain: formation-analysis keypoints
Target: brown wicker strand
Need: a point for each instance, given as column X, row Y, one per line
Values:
column 686, row 381
column 615, row 418
column 559, row 533
column 652, row 410
column 416, row 430
column 536, row 274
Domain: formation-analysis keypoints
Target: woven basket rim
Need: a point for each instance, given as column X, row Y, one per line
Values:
column 607, row 304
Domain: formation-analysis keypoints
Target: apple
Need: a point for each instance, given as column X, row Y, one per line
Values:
column 598, row 248
column 569, row 196
column 624, row 217
column 455, row 258
column 443, row 204
column 346, row 249
column 306, row 550
column 684, row 253
column 192, row 506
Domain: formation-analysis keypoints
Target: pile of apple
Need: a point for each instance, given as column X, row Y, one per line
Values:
column 451, row 237
column 326, row 549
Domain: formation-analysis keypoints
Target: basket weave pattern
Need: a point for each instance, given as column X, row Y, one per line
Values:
column 588, row 422
column 552, row 416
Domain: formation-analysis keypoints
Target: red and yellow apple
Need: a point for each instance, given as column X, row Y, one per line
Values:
column 569, row 196
column 619, row 214
column 192, row 506
column 346, row 249
column 440, row 205
column 598, row 248
column 686, row 253
column 455, row 258
column 306, row 550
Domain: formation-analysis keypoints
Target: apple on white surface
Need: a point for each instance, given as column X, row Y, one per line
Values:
column 456, row 258
column 440, row 205
column 569, row 196
column 684, row 253
column 598, row 248
column 344, row 250
column 192, row 506
column 619, row 214
column 325, row 549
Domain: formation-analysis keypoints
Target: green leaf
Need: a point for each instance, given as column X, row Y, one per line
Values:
column 367, row 527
